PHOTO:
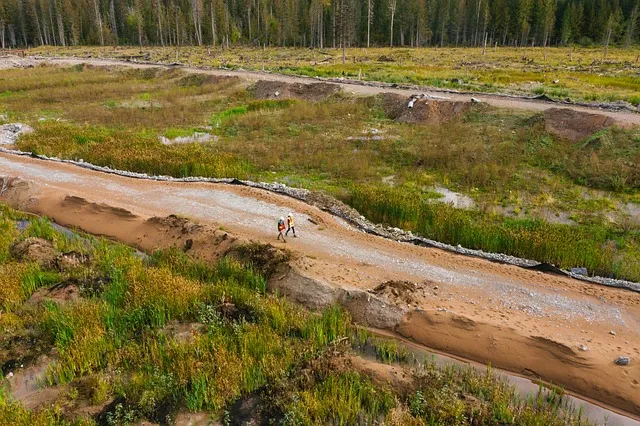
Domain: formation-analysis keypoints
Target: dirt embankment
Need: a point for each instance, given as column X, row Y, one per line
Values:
column 574, row 126
column 422, row 110
column 265, row 89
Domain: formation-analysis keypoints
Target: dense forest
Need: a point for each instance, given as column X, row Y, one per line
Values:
column 319, row 23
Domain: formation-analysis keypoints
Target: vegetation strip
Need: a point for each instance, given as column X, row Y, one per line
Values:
column 362, row 223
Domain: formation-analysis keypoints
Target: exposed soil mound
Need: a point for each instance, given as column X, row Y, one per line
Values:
column 574, row 125
column 35, row 250
column 59, row 293
column 399, row 291
column 197, row 80
column 79, row 202
column 264, row 257
column 247, row 411
column 396, row 376
column 429, row 111
column 16, row 191
column 184, row 332
column 177, row 223
column 20, row 351
column 194, row 419
column 280, row 90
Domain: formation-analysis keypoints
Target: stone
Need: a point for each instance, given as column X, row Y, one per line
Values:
column 583, row 348
column 613, row 333
column 579, row 271
column 623, row 360
column 9, row 133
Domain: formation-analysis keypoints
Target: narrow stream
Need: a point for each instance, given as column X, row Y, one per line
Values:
column 526, row 388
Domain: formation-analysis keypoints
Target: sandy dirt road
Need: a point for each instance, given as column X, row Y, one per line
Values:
column 623, row 118
column 532, row 324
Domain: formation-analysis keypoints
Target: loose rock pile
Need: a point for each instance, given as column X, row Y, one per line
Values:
column 9, row 133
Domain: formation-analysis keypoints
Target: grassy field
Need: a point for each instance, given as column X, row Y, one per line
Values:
column 579, row 74
column 153, row 337
column 571, row 204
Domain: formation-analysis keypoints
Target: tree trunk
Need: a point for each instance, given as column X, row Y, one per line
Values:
column 484, row 45
column 213, row 24
column 368, row 23
column 475, row 39
column 606, row 45
column 53, row 28
column 96, row 7
column 197, row 20
column 63, row 40
column 35, row 15
column 249, row 19
column 12, row 36
column 393, row 6
column 114, row 24
column 335, row 12
column 177, row 27
column 158, row 7
column 321, row 26
column 631, row 28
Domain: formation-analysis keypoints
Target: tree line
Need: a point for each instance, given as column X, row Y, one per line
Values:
column 318, row 23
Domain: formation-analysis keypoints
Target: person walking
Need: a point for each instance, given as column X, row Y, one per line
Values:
column 290, row 226
column 281, row 228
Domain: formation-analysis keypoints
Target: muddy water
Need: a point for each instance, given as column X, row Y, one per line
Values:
column 526, row 388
